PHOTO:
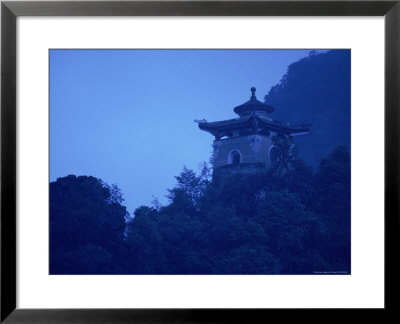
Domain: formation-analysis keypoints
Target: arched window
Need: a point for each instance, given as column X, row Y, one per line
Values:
column 234, row 158
column 274, row 155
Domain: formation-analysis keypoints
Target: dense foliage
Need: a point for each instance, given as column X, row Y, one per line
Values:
column 288, row 220
column 87, row 224
column 316, row 90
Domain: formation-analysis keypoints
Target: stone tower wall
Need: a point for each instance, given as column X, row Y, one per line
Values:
column 252, row 148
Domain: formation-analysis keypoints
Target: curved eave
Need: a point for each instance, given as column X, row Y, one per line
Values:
column 248, row 122
column 226, row 125
column 241, row 109
column 253, row 105
column 283, row 128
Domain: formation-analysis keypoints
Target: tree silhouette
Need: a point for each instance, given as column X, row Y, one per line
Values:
column 87, row 225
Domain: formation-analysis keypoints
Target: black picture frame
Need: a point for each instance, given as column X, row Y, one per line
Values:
column 10, row 10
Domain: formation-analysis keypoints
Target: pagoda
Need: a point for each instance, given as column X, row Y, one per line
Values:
column 245, row 143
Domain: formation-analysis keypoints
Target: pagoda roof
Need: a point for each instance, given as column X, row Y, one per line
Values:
column 253, row 118
column 253, row 105
column 252, row 121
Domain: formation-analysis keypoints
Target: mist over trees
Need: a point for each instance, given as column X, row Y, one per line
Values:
column 316, row 90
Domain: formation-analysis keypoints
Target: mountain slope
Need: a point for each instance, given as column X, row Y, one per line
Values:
column 316, row 90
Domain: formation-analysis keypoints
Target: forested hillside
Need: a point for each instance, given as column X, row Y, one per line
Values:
column 286, row 221
column 293, row 218
column 316, row 90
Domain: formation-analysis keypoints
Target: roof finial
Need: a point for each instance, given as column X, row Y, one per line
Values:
column 253, row 93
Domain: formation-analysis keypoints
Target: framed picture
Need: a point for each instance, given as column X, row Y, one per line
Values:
column 292, row 106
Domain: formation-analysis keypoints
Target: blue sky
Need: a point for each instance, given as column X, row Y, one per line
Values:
column 127, row 116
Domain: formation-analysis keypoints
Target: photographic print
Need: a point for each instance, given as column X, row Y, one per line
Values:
column 200, row 161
